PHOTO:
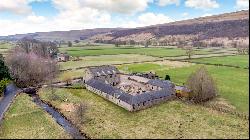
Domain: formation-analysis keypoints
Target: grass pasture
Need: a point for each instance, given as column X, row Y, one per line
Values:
column 105, row 60
column 238, row 60
column 4, row 45
column 103, row 119
column 156, row 52
column 26, row 120
column 72, row 73
column 153, row 66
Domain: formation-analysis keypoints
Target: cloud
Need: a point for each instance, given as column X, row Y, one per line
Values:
column 19, row 7
column 15, row 6
column 206, row 15
column 242, row 4
column 168, row 2
column 184, row 14
column 86, row 18
column 83, row 18
column 202, row 4
column 116, row 6
column 146, row 19
column 151, row 19
column 35, row 19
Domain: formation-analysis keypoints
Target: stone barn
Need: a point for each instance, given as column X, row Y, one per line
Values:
column 128, row 91
column 107, row 74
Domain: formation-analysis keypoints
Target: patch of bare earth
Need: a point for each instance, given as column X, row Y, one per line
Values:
column 67, row 107
column 174, row 64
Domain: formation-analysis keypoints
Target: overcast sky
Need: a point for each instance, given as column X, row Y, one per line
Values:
column 28, row 16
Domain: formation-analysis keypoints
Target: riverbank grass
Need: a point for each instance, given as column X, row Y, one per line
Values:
column 25, row 119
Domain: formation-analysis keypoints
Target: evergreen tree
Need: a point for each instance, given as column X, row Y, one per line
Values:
column 167, row 77
column 4, row 71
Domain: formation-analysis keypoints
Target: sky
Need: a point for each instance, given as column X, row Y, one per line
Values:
column 29, row 16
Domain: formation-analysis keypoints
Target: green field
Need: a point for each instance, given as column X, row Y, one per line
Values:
column 145, row 67
column 84, row 45
column 239, row 60
column 105, row 60
column 26, row 120
column 157, row 52
column 232, row 82
column 4, row 45
column 72, row 73
column 174, row 119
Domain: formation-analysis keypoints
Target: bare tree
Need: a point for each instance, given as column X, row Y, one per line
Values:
column 69, row 44
column 147, row 43
column 79, row 113
column 189, row 51
column 29, row 69
column 117, row 44
column 43, row 49
column 202, row 86
column 198, row 44
column 242, row 48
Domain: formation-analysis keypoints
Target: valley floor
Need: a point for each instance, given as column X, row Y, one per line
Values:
column 173, row 119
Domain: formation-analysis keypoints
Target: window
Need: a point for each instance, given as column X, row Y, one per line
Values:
column 98, row 73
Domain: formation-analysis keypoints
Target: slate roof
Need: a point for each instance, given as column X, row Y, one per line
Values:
column 160, row 83
column 103, row 70
column 128, row 98
column 103, row 87
column 183, row 88
column 118, row 93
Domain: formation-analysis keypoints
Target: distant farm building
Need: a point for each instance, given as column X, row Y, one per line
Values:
column 131, row 92
column 61, row 57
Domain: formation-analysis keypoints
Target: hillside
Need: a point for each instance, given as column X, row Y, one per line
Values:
column 62, row 35
column 228, row 25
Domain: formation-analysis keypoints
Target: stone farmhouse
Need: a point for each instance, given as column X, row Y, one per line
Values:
column 61, row 57
column 131, row 92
